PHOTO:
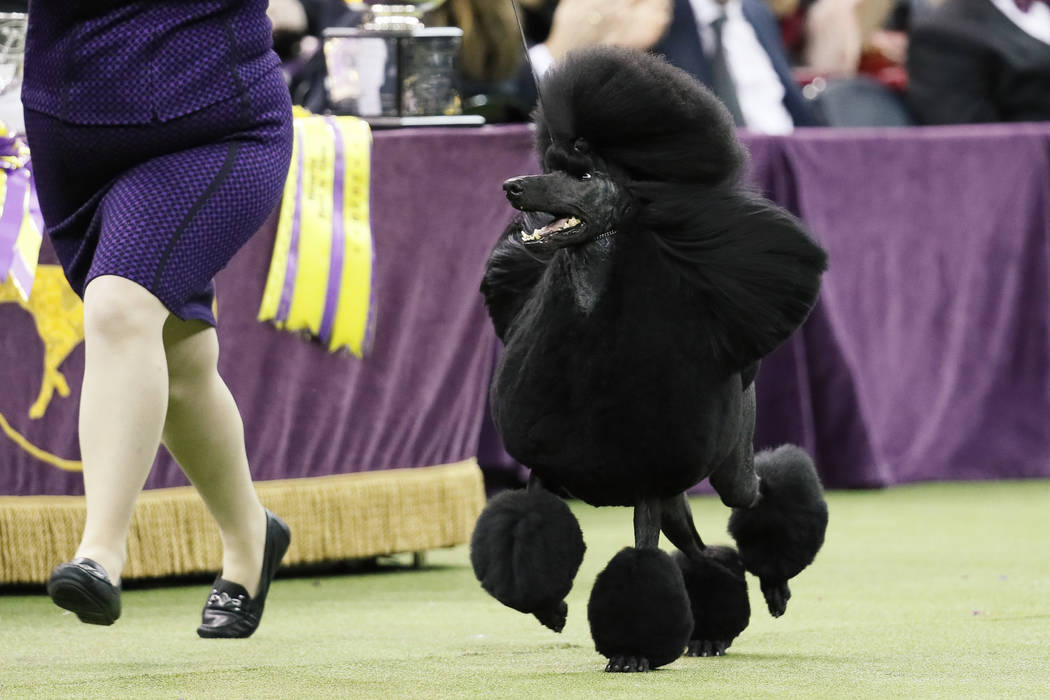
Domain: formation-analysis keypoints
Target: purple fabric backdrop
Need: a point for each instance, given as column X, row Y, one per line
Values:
column 928, row 356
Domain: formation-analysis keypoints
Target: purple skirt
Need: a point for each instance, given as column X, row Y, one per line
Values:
column 165, row 205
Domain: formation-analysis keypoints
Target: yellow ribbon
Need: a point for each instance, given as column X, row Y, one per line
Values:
column 307, row 288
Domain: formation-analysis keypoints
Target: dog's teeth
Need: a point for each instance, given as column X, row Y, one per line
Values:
column 572, row 221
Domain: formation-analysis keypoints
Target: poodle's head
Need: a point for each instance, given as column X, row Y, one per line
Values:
column 615, row 128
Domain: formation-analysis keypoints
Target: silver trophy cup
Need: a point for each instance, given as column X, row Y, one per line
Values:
column 394, row 71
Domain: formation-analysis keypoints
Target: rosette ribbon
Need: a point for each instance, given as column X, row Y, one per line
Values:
column 21, row 225
column 320, row 277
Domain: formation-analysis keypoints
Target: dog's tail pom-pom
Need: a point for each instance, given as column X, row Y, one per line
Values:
column 639, row 608
column 781, row 535
column 526, row 549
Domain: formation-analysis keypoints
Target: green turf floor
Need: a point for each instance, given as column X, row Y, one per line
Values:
column 930, row 591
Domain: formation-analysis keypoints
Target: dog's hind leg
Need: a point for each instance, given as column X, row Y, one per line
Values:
column 779, row 514
column 781, row 533
column 526, row 549
column 714, row 578
column 639, row 609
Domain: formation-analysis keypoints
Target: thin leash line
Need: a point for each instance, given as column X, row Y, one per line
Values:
column 525, row 49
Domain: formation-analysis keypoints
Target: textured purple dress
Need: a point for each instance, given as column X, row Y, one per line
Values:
column 160, row 133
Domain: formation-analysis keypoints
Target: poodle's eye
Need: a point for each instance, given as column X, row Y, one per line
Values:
column 585, row 176
column 581, row 146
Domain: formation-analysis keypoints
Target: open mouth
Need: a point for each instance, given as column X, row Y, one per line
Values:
column 539, row 226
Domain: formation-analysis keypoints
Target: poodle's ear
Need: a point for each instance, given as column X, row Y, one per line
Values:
column 510, row 275
column 755, row 271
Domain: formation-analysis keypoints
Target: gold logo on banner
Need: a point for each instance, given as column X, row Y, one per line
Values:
column 58, row 315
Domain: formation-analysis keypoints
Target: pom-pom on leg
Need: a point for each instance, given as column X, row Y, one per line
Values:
column 526, row 550
column 717, row 591
column 639, row 611
column 781, row 534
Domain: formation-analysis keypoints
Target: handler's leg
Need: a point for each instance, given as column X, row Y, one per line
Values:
column 204, row 433
column 122, row 404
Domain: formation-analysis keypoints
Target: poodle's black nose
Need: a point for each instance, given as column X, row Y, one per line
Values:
column 513, row 187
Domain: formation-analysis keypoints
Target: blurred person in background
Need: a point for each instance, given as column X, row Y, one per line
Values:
column 834, row 37
column 981, row 61
column 733, row 47
column 490, row 58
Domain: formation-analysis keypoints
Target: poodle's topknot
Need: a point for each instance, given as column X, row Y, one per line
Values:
column 653, row 120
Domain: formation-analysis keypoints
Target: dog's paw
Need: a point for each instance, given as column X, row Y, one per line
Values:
column 628, row 664
column 706, row 647
column 777, row 596
column 555, row 617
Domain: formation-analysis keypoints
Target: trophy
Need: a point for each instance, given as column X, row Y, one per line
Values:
column 394, row 71
column 12, row 47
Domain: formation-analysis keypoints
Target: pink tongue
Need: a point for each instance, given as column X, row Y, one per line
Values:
column 553, row 226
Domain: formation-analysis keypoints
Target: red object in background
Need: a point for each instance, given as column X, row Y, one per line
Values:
column 873, row 62
column 888, row 72
column 793, row 31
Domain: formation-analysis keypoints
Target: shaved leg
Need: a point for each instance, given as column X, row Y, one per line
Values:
column 205, row 434
column 122, row 405
column 735, row 479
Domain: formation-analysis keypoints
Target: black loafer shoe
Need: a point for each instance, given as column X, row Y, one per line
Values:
column 230, row 611
column 83, row 587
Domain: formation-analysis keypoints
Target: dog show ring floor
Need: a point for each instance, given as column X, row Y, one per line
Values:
column 923, row 591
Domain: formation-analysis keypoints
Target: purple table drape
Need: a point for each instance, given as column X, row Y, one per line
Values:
column 927, row 357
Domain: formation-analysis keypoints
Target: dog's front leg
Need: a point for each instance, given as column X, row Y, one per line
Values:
column 639, row 609
column 526, row 550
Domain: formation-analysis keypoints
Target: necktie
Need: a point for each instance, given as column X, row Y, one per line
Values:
column 721, row 80
column 1025, row 5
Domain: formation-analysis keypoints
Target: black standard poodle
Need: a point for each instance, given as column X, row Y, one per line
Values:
column 635, row 294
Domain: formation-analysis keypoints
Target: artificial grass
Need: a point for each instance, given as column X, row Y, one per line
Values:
column 929, row 591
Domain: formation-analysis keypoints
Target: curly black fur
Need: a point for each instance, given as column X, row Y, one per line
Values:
column 526, row 549
column 621, row 375
column 718, row 594
column 639, row 608
column 638, row 111
column 635, row 294
column 782, row 535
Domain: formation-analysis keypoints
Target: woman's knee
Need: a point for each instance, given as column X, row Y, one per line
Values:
column 119, row 310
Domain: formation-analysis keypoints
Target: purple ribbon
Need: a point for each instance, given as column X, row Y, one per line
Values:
column 335, row 268
column 23, row 277
column 11, row 218
column 9, row 146
column 292, row 264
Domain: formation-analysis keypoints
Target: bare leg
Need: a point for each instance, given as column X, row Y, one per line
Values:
column 122, row 405
column 204, row 433
column 735, row 479
column 676, row 521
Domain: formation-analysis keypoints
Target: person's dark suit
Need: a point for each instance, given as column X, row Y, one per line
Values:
column 683, row 47
column 969, row 63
